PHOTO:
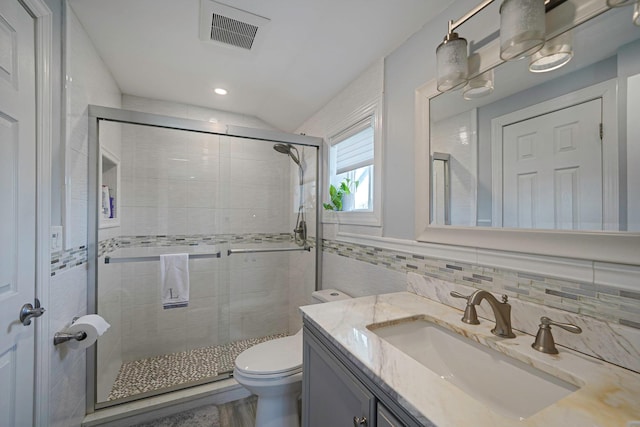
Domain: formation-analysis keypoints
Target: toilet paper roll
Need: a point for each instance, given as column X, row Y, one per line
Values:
column 91, row 324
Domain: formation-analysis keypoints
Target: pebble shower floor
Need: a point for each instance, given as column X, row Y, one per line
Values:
column 169, row 370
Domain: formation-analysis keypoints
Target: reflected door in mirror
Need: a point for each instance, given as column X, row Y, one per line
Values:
column 552, row 170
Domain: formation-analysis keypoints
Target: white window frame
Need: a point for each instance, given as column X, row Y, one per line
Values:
column 365, row 124
column 371, row 217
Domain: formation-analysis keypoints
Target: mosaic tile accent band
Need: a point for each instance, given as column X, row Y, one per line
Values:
column 109, row 245
column 602, row 302
column 75, row 257
column 66, row 260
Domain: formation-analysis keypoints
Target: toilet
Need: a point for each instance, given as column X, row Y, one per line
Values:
column 273, row 371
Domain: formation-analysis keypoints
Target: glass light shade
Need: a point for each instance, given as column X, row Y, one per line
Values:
column 522, row 28
column 451, row 56
column 553, row 55
column 479, row 86
column 636, row 14
column 619, row 3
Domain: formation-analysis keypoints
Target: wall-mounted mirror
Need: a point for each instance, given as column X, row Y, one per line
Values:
column 555, row 150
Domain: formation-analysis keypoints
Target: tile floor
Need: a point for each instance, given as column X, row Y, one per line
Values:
column 240, row 413
column 169, row 370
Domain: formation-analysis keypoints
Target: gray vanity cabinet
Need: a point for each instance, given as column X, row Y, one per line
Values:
column 386, row 418
column 331, row 395
column 335, row 393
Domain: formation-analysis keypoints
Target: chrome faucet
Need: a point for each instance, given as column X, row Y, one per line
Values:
column 501, row 311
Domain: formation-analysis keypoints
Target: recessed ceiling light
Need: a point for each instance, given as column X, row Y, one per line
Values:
column 220, row 91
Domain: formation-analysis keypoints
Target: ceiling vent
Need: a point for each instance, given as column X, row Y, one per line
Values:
column 227, row 26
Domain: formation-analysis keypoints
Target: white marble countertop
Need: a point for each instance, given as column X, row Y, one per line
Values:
column 609, row 396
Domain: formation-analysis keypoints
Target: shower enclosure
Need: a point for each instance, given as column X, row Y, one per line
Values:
column 242, row 203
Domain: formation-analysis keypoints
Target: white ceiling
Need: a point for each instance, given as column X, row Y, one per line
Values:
column 311, row 51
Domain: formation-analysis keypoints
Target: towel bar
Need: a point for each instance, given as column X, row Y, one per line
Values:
column 250, row 251
column 112, row 260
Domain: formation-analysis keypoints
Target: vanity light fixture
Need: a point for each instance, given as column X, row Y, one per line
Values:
column 451, row 58
column 522, row 28
column 480, row 85
column 522, row 33
column 553, row 55
column 636, row 8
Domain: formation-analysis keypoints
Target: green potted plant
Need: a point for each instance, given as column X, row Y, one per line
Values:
column 342, row 197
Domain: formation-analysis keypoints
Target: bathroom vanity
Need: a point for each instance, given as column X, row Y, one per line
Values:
column 403, row 360
column 337, row 393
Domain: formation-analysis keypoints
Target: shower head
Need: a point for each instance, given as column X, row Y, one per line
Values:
column 288, row 149
column 300, row 231
column 282, row 148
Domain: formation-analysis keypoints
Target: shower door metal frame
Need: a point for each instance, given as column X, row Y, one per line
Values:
column 98, row 113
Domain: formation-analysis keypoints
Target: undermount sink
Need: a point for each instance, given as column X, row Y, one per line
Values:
column 506, row 385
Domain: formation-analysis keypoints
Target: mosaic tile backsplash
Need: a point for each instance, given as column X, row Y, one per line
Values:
column 66, row 260
column 602, row 302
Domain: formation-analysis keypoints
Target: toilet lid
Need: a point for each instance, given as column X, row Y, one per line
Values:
column 272, row 357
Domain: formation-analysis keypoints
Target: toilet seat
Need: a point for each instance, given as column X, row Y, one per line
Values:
column 272, row 359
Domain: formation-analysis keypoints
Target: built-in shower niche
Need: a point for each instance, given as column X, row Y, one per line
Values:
column 109, row 173
column 230, row 202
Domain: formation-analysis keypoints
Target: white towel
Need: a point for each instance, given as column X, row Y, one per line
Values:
column 174, row 277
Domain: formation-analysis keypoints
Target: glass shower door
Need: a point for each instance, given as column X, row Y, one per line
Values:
column 232, row 205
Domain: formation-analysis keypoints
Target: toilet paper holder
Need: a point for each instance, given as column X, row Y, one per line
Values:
column 60, row 337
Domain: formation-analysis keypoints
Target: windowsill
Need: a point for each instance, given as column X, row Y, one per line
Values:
column 355, row 217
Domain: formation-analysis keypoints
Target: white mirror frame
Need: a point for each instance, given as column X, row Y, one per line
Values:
column 615, row 247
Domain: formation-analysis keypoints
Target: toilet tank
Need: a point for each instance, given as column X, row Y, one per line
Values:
column 328, row 295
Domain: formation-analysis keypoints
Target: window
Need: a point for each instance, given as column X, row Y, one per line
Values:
column 354, row 154
column 352, row 162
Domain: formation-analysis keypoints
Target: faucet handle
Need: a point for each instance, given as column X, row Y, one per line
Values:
column 470, row 314
column 544, row 339
column 544, row 320
column 459, row 295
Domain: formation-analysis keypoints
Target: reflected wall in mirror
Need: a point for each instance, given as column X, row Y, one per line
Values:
column 553, row 150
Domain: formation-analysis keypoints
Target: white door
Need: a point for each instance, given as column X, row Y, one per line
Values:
column 552, row 170
column 18, row 219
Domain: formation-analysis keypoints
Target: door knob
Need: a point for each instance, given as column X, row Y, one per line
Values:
column 28, row 311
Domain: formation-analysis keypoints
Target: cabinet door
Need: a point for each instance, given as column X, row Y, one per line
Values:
column 386, row 418
column 332, row 396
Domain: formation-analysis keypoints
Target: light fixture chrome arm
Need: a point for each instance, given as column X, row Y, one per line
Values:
column 470, row 14
column 473, row 12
